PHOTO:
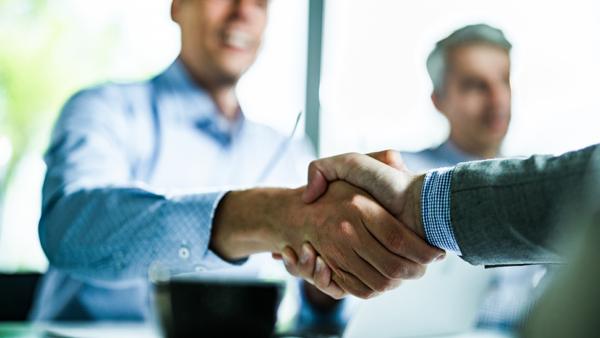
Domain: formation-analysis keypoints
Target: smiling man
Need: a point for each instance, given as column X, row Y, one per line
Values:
column 470, row 71
column 155, row 171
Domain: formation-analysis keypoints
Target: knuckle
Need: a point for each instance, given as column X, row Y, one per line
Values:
column 293, row 272
column 353, row 158
column 384, row 285
column 389, row 153
column 352, row 162
column 371, row 294
column 395, row 285
column 365, row 293
column 359, row 291
column 312, row 166
column 396, row 271
column 336, row 295
column 425, row 254
column 427, row 258
column 358, row 201
column 321, row 285
column 336, row 256
column 417, row 272
column 395, row 241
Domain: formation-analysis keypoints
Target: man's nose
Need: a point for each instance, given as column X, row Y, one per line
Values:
column 500, row 96
column 243, row 8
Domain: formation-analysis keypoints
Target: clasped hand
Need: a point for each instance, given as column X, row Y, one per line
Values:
column 362, row 227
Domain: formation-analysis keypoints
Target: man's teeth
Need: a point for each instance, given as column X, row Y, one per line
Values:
column 238, row 39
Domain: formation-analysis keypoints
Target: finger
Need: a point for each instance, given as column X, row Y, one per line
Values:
column 317, row 184
column 394, row 267
column 325, row 170
column 352, row 285
column 276, row 256
column 381, row 181
column 391, row 158
column 397, row 238
column 290, row 261
column 370, row 276
column 307, row 262
column 322, row 280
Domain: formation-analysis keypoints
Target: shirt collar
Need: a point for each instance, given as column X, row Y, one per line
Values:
column 191, row 103
column 455, row 153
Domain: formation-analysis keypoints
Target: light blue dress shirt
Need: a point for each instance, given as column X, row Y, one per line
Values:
column 511, row 292
column 135, row 173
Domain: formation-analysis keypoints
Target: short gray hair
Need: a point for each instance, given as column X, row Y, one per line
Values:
column 468, row 35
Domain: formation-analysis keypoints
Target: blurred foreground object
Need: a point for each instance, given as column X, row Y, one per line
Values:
column 16, row 295
column 571, row 306
column 218, row 308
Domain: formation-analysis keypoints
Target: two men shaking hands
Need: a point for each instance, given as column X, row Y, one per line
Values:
column 393, row 240
column 364, row 223
column 355, row 229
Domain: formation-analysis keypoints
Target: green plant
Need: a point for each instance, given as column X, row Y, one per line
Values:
column 45, row 57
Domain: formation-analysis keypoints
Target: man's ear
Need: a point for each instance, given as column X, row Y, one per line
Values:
column 437, row 102
column 175, row 8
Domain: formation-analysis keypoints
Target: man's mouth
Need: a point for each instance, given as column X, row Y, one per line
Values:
column 497, row 123
column 238, row 39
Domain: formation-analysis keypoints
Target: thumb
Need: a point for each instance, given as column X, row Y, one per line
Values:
column 317, row 184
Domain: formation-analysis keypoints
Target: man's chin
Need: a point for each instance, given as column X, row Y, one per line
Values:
column 235, row 68
column 493, row 139
column 496, row 131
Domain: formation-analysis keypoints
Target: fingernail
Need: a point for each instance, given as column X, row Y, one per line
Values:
column 440, row 258
column 286, row 259
column 320, row 264
column 304, row 254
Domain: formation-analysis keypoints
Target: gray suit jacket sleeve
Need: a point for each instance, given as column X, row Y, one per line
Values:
column 507, row 212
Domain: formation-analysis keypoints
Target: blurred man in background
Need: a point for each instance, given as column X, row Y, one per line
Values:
column 470, row 71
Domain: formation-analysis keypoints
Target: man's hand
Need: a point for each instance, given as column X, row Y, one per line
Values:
column 383, row 175
column 312, row 268
column 367, row 250
column 391, row 183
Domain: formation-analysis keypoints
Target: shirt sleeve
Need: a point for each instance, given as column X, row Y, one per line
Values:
column 99, row 223
column 435, row 209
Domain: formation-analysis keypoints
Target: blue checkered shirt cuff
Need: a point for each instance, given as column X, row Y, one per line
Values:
column 435, row 210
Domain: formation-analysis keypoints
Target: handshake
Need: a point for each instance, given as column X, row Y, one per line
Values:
column 355, row 229
column 361, row 227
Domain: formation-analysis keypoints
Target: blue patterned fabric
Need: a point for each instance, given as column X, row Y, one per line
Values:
column 135, row 173
column 435, row 210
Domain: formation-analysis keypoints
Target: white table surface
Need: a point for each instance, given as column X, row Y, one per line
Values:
column 131, row 330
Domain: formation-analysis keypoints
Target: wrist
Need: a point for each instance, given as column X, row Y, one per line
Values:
column 412, row 206
column 247, row 222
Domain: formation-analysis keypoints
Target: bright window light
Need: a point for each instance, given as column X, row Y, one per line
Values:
column 5, row 150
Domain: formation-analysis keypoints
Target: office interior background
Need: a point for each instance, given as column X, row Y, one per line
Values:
column 374, row 88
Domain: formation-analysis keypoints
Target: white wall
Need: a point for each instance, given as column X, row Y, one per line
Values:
column 375, row 90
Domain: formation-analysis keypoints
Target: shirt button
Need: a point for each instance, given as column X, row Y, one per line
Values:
column 184, row 253
column 200, row 268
